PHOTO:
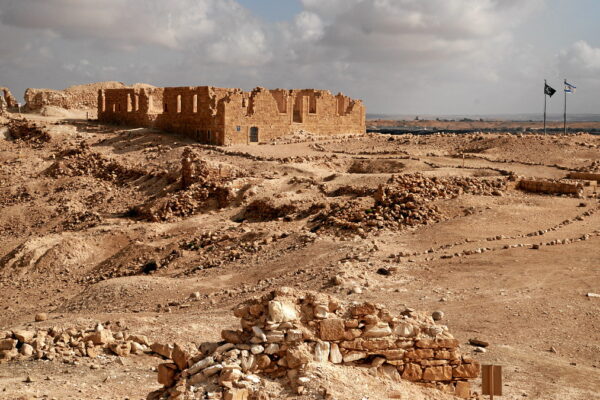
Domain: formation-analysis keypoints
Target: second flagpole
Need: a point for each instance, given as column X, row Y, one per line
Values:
column 565, row 112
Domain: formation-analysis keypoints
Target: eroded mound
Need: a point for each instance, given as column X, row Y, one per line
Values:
column 285, row 335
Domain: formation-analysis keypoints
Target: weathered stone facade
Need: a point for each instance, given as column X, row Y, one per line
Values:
column 231, row 116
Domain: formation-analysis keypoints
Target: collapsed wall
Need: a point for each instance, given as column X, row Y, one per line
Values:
column 286, row 331
column 549, row 187
column 8, row 98
column 79, row 97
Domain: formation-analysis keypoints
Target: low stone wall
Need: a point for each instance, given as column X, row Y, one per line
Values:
column 588, row 176
column 285, row 330
column 549, row 187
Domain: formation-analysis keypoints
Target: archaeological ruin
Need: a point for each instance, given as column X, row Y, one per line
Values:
column 222, row 116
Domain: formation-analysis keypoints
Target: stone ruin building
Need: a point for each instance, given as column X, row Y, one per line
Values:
column 222, row 116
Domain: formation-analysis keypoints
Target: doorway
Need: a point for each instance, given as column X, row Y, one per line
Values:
column 254, row 134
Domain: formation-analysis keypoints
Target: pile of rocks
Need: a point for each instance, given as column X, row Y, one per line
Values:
column 81, row 161
column 67, row 344
column 407, row 200
column 285, row 331
column 28, row 131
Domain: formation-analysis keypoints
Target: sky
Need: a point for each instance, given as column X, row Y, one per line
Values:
column 438, row 57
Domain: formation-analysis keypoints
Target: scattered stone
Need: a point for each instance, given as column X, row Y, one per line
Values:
column 437, row 315
column 39, row 317
column 478, row 342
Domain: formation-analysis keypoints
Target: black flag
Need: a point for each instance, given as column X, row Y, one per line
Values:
column 548, row 90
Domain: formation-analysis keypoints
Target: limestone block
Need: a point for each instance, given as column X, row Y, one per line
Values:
column 282, row 311
column 322, row 351
column 382, row 329
column 335, row 356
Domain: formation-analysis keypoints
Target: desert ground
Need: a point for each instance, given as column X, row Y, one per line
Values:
column 96, row 228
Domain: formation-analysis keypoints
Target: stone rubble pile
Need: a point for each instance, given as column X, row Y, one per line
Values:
column 406, row 201
column 81, row 161
column 203, row 185
column 28, row 131
column 68, row 344
column 285, row 331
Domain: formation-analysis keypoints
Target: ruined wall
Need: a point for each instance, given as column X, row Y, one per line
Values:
column 9, row 100
column 231, row 116
column 588, row 176
column 81, row 97
column 285, row 330
column 549, row 187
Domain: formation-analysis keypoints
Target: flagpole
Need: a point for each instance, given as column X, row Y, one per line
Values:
column 565, row 113
column 545, row 106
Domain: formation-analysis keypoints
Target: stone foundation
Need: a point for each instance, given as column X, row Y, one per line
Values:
column 549, row 187
column 285, row 331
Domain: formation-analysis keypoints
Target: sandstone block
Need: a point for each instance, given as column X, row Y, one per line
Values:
column 412, row 372
column 231, row 336
column 378, row 344
column 236, row 394
column 354, row 356
column 298, row 356
column 389, row 372
column 397, row 354
column 441, row 373
column 164, row 350
column 180, row 357
column 120, row 349
column 8, row 344
column 466, row 370
column 166, row 374
column 141, row 339
column 332, row 329
column 463, row 390
column 100, row 337
column 364, row 309
column 24, row 336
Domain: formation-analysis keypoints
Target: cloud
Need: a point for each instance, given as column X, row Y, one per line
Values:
column 581, row 60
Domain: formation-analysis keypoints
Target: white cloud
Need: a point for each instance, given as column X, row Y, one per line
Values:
column 581, row 59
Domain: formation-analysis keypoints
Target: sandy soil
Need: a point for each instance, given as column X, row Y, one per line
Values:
column 71, row 246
